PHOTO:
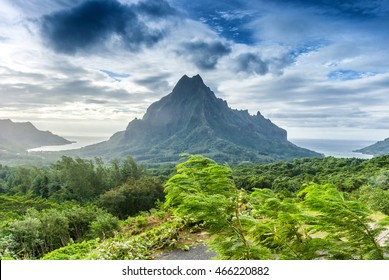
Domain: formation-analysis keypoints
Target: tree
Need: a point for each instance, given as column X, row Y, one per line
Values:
column 27, row 234
column 280, row 227
column 132, row 197
column 375, row 198
column 345, row 224
column 78, row 178
column 204, row 192
column 318, row 223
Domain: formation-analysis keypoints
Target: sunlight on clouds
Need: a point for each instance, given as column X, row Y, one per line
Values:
column 293, row 63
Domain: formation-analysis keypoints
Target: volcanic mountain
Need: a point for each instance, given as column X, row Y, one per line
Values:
column 192, row 119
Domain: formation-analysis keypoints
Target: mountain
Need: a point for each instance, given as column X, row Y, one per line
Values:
column 16, row 137
column 379, row 148
column 192, row 119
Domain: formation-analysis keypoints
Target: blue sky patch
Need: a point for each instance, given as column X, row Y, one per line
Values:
column 346, row 75
column 116, row 76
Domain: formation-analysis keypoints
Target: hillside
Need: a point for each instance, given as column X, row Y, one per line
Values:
column 379, row 148
column 192, row 119
column 17, row 137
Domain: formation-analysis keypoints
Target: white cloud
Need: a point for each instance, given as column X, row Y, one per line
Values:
column 299, row 48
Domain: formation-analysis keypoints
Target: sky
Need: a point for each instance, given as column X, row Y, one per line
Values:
column 317, row 68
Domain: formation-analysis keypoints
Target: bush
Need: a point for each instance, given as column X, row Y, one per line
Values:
column 104, row 226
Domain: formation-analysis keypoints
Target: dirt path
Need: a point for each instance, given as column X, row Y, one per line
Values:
column 198, row 252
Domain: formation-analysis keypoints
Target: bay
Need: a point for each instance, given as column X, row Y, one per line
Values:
column 339, row 148
column 80, row 141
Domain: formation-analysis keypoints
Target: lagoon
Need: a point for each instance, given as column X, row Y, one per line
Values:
column 339, row 148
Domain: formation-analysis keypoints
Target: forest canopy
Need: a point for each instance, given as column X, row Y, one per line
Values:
column 316, row 208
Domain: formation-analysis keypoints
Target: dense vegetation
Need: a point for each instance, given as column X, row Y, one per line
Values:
column 88, row 209
column 379, row 148
column 192, row 119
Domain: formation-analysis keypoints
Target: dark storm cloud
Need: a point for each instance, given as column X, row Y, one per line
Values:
column 252, row 64
column 94, row 22
column 156, row 8
column 205, row 55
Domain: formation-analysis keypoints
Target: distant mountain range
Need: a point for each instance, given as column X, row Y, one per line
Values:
column 18, row 137
column 379, row 148
column 192, row 119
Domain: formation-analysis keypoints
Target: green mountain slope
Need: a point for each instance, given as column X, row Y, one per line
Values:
column 379, row 148
column 192, row 119
column 23, row 136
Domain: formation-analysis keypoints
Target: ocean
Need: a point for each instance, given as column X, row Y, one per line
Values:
column 335, row 147
column 80, row 141
column 328, row 147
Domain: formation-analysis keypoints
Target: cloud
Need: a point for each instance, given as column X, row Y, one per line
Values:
column 205, row 55
column 156, row 8
column 251, row 63
column 115, row 76
column 254, row 63
column 97, row 23
column 155, row 83
column 30, row 94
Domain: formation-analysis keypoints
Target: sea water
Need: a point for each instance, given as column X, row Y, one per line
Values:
column 338, row 148
column 79, row 142
column 328, row 147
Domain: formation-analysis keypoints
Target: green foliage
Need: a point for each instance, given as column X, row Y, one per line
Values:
column 138, row 247
column 132, row 197
column 251, row 212
column 75, row 251
column 104, row 226
column 27, row 236
column 140, row 221
column 39, row 232
column 7, row 243
column 279, row 227
column 14, row 206
column 319, row 223
column 346, row 225
column 78, row 178
column 376, row 199
column 70, row 178
column 203, row 191
column 55, row 229
column 347, row 174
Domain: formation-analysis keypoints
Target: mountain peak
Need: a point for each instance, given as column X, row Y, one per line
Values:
column 189, row 86
column 192, row 119
column 197, row 78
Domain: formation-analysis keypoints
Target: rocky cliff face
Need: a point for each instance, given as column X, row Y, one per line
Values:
column 192, row 119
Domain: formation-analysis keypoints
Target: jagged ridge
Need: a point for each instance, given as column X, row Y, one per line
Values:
column 192, row 119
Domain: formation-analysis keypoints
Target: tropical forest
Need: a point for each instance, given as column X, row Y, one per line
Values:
column 310, row 208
